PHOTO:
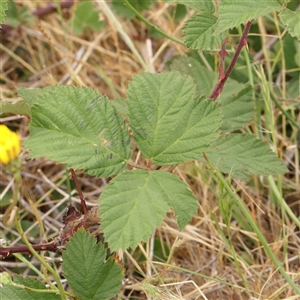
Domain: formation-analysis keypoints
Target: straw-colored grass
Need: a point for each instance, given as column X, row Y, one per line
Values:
column 200, row 264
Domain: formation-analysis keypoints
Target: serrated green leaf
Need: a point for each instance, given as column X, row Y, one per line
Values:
column 10, row 292
column 205, row 6
column 89, row 273
column 236, row 99
column 86, row 16
column 3, row 8
column 231, row 89
column 21, row 108
column 31, row 96
column 120, row 104
column 242, row 155
column 170, row 126
column 232, row 13
column 79, row 127
column 237, row 110
column 291, row 19
column 199, row 33
column 204, row 79
column 135, row 202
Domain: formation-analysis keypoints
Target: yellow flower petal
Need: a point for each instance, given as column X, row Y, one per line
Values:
column 10, row 145
column 3, row 156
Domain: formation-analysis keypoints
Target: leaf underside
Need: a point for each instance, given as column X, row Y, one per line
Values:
column 79, row 127
column 89, row 273
column 135, row 202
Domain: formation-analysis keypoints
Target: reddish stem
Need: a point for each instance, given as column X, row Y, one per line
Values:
column 222, row 79
column 4, row 252
column 82, row 201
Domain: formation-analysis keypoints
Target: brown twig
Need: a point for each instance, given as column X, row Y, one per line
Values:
column 82, row 201
column 222, row 79
column 4, row 252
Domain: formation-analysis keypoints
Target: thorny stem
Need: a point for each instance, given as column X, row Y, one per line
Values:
column 41, row 260
column 222, row 79
column 82, row 201
column 52, row 246
column 4, row 252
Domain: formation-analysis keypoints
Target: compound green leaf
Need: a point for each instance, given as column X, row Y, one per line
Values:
column 79, row 127
column 204, row 6
column 237, row 109
column 199, row 33
column 244, row 155
column 89, row 273
column 291, row 19
column 135, row 202
column 232, row 13
column 169, row 125
column 10, row 292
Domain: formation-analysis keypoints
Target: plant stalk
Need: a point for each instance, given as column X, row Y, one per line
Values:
column 254, row 227
column 243, row 42
column 152, row 25
column 41, row 260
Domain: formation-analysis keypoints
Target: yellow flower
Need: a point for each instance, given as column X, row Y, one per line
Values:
column 10, row 145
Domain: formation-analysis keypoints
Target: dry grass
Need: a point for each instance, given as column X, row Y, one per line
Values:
column 48, row 53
